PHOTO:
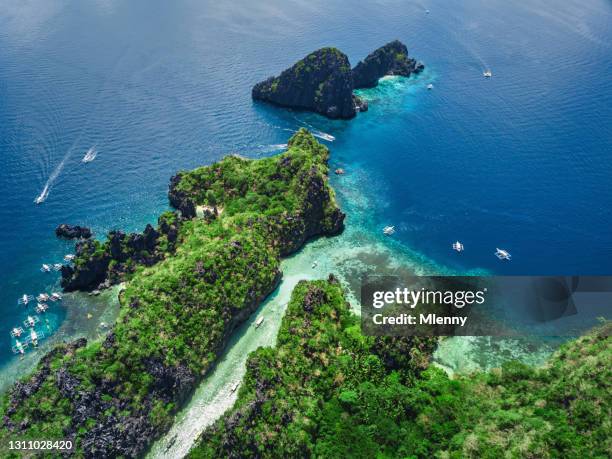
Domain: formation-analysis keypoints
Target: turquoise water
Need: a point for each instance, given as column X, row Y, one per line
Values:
column 519, row 161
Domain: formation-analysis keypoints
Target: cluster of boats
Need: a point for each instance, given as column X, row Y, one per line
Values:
column 48, row 267
column 24, row 339
column 499, row 253
column 457, row 246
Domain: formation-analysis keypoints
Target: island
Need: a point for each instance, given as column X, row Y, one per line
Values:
column 188, row 285
column 326, row 390
column 323, row 81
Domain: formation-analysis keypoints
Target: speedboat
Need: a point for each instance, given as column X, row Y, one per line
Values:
column 487, row 74
column 502, row 254
column 430, row 86
column 57, row 266
column 314, row 264
column 45, row 268
column 31, row 321
column 69, row 257
column 42, row 307
column 458, row 246
column 55, row 296
column 389, row 230
column 90, row 155
column 16, row 332
column 339, row 171
column 42, row 297
column 259, row 321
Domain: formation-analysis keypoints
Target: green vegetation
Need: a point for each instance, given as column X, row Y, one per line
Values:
column 113, row 397
column 326, row 390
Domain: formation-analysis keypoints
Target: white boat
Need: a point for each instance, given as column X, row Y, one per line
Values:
column 430, row 86
column 234, row 387
column 426, row 11
column 55, row 296
column 18, row 348
column 389, row 230
column 25, row 299
column 259, row 321
column 57, row 266
column 31, row 321
column 458, row 246
column 16, row 332
column 503, row 254
column 90, row 155
column 42, row 307
column 42, row 297
column 33, row 337
column 45, row 268
column 69, row 257
column 487, row 74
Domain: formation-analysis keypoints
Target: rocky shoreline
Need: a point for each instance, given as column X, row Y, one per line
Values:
column 323, row 81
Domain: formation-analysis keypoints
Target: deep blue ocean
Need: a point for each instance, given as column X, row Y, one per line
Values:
column 521, row 161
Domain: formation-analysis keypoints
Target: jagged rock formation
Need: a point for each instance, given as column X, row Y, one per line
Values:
column 99, row 265
column 72, row 231
column 391, row 59
column 323, row 82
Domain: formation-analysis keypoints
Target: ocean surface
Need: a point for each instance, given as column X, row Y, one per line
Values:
column 520, row 161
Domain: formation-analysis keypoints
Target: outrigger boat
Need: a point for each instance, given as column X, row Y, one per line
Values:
column 458, row 246
column 389, row 230
column 69, row 257
column 19, row 348
column 42, row 307
column 259, row 321
column 55, row 296
column 16, row 332
column 42, row 297
column 25, row 299
column 45, row 268
column 31, row 321
column 502, row 254
column 34, row 337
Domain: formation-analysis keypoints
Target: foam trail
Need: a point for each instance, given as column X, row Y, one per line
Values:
column 52, row 178
column 272, row 148
column 316, row 132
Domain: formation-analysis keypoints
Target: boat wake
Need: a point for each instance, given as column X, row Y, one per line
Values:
column 90, row 155
column 42, row 197
column 316, row 132
column 323, row 135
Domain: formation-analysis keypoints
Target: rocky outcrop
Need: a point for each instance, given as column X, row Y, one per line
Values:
column 179, row 199
column 72, row 231
column 99, row 265
column 321, row 82
column 391, row 59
